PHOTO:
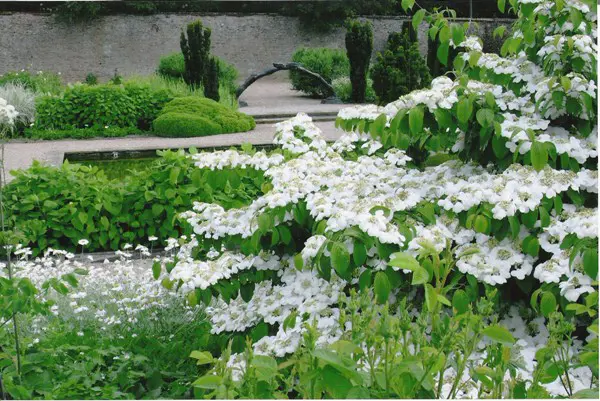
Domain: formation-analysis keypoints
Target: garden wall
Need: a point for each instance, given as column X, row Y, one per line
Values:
column 133, row 44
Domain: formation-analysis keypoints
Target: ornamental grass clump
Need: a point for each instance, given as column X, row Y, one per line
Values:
column 474, row 202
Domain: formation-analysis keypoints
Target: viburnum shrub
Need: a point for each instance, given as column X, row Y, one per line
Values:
column 482, row 186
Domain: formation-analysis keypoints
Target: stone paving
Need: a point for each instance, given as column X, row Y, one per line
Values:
column 270, row 96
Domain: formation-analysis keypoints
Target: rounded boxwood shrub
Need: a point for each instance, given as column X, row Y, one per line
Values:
column 185, row 125
column 195, row 116
column 329, row 63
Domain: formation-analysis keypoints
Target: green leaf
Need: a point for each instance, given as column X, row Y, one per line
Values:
column 266, row 367
column 443, row 117
column 285, row 234
column 382, row 287
column 208, row 382
column 420, row 276
column 539, row 155
column 358, row 393
column 157, row 209
column 458, row 34
column 340, row 259
column 499, row 334
column 265, row 223
column 418, row 18
column 335, row 383
column 202, row 357
column 83, row 217
column 174, row 175
column 364, row 281
column 460, row 301
column 501, row 5
column 547, row 304
column 415, row 120
column 407, row 4
column 359, row 254
column 590, row 263
column 464, row 110
column 156, row 268
column 430, row 297
column 404, row 260
column 298, row 261
column 485, row 117
column 481, row 224
column 531, row 246
column 442, row 53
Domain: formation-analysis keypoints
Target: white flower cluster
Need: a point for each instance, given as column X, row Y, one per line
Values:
column 514, row 128
column 552, row 54
column 579, row 87
column 8, row 114
column 203, row 274
column 299, row 135
column 218, row 160
column 109, row 294
column 582, row 222
column 300, row 291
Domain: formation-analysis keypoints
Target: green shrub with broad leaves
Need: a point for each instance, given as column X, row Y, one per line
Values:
column 83, row 106
column 57, row 206
column 195, row 116
column 329, row 63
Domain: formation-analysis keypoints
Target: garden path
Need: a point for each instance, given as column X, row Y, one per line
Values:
column 21, row 154
column 269, row 100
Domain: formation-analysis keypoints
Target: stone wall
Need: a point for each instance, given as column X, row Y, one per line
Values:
column 133, row 44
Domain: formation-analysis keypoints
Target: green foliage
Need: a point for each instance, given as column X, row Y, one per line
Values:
column 387, row 354
column 343, row 90
column 43, row 82
column 172, row 67
column 329, row 63
column 194, row 116
column 57, row 206
column 400, row 69
column 359, row 46
column 79, row 11
column 83, row 106
column 91, row 79
column 107, row 364
column 196, row 53
column 80, row 133
column 211, row 80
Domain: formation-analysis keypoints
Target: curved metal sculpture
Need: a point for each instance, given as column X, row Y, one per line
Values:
column 280, row 67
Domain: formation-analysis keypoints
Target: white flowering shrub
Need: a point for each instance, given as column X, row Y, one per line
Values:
column 490, row 177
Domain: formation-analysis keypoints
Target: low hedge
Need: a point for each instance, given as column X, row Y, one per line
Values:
column 84, row 106
column 57, row 206
column 329, row 63
column 195, row 116
column 81, row 133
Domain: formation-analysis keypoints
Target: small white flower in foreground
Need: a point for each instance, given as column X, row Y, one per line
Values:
column 83, row 242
